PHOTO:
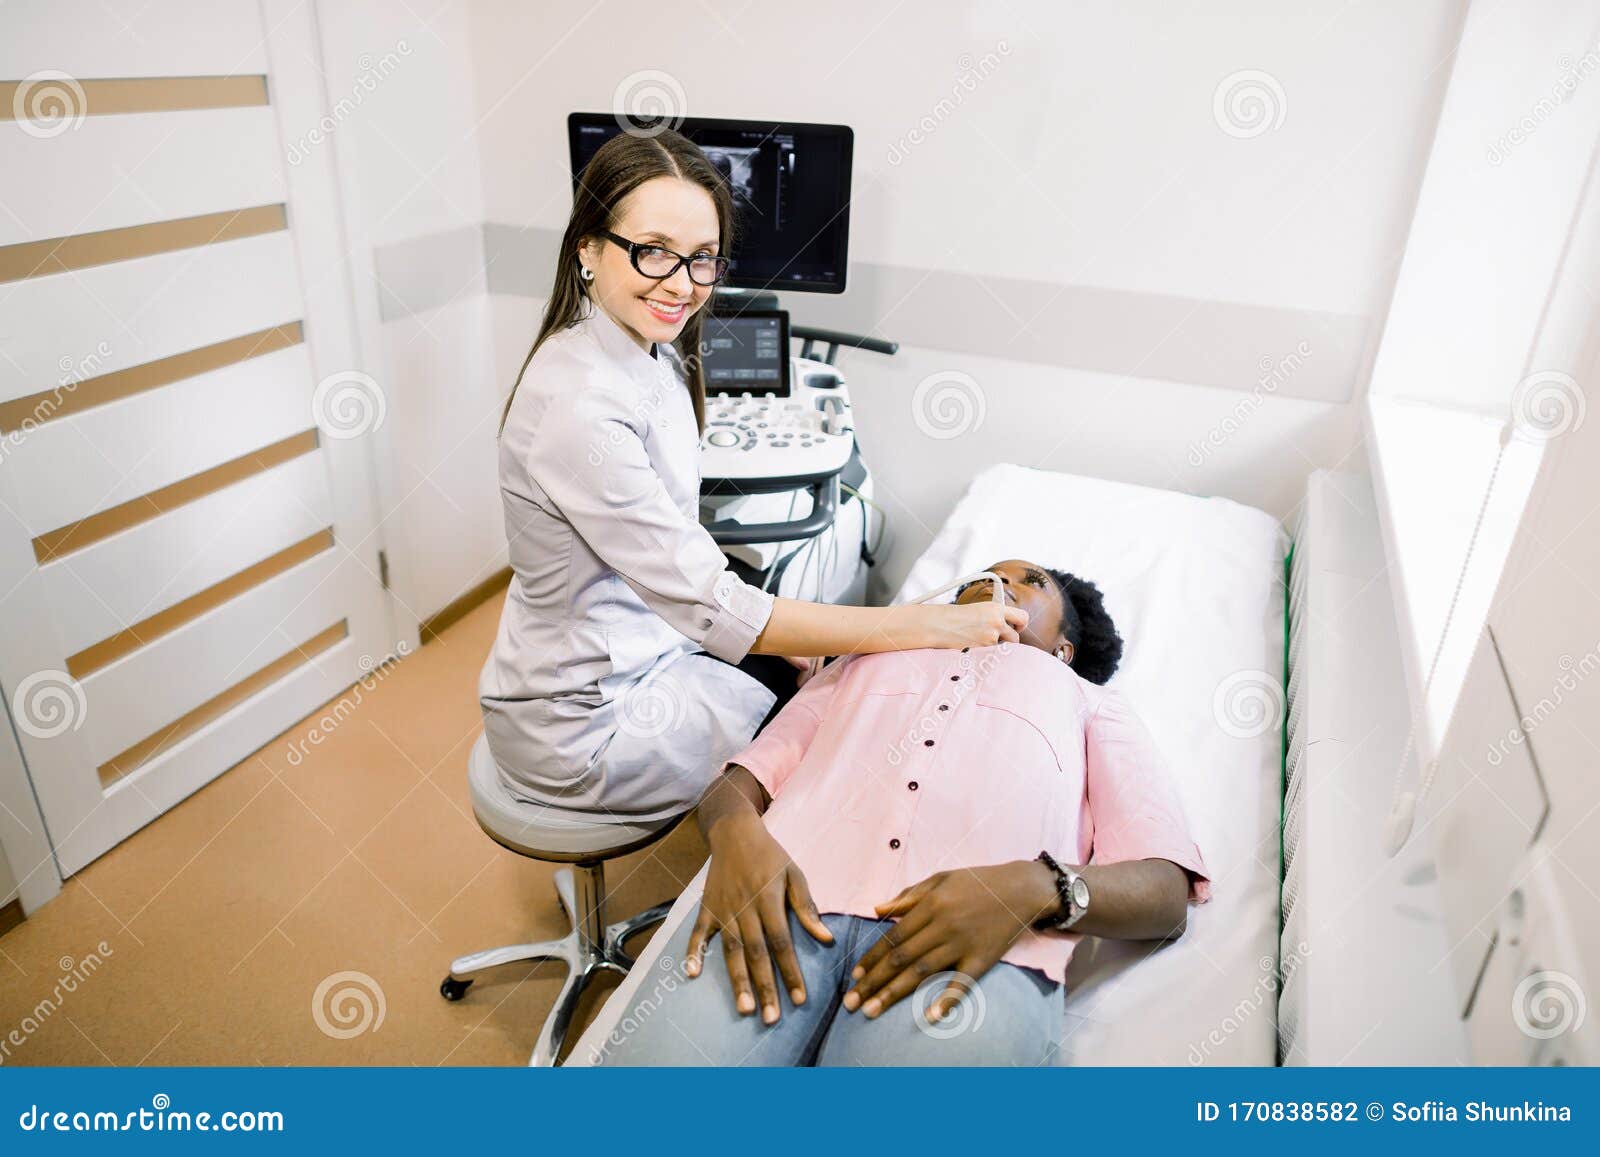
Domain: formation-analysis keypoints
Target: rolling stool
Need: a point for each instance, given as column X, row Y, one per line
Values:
column 545, row 833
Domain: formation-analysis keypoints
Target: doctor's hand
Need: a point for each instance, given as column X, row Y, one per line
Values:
column 976, row 624
column 960, row 922
column 750, row 886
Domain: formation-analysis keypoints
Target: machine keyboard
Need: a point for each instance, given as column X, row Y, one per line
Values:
column 776, row 423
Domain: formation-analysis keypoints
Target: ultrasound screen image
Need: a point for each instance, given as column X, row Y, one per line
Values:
column 790, row 185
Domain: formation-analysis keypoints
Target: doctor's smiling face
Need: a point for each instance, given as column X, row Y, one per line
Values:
column 641, row 205
column 665, row 218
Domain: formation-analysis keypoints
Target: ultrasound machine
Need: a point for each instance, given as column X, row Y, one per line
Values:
column 783, row 488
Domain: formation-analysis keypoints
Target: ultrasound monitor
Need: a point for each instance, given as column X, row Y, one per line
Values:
column 747, row 351
column 791, row 193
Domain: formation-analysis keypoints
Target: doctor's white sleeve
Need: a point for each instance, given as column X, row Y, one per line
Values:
column 589, row 457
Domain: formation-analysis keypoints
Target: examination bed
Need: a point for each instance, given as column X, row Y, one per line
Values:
column 1196, row 588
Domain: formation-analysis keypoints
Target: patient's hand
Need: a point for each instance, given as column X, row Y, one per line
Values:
column 802, row 668
column 749, row 887
column 961, row 921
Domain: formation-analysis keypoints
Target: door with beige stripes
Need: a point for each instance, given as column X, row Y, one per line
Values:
column 189, row 544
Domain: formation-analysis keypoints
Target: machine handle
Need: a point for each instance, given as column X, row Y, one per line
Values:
column 834, row 339
column 824, row 505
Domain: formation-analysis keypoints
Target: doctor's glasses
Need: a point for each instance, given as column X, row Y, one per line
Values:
column 659, row 263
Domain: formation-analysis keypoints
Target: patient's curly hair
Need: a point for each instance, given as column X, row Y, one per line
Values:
column 1096, row 646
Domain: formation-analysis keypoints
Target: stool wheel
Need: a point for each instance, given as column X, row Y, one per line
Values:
column 453, row 989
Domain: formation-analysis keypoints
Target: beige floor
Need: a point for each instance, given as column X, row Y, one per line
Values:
column 223, row 917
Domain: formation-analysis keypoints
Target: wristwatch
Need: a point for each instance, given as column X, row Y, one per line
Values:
column 1073, row 891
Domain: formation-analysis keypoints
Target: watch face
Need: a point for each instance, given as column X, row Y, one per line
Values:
column 1080, row 892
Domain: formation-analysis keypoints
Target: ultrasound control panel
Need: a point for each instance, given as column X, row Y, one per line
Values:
column 803, row 432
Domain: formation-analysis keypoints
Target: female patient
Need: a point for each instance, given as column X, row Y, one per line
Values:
column 925, row 822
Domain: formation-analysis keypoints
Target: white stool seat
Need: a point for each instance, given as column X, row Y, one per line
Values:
column 544, row 832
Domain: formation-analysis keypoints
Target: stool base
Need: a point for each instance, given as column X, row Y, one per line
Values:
column 590, row 948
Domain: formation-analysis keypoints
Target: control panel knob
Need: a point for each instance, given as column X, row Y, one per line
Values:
column 723, row 438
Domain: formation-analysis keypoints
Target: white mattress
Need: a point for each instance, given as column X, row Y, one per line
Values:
column 1195, row 586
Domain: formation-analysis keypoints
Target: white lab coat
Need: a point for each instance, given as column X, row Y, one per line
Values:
column 597, row 696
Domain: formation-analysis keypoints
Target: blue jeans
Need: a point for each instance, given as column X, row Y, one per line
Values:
column 1012, row 1016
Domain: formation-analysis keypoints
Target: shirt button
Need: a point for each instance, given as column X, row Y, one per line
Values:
column 894, row 843
column 964, row 650
column 927, row 743
column 955, row 678
column 912, row 786
column 944, row 707
column 706, row 623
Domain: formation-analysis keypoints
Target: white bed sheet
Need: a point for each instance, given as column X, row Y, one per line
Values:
column 1196, row 588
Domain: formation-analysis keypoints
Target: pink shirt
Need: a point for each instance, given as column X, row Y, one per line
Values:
column 888, row 768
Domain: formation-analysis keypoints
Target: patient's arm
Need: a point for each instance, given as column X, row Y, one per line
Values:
column 750, row 885
column 965, row 920
column 1136, row 900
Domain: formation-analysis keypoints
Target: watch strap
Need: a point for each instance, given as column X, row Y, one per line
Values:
column 1069, row 911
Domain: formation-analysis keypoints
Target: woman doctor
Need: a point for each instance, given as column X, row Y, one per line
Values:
column 614, row 689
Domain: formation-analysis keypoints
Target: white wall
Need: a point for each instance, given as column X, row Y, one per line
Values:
column 1078, row 157
column 1135, row 278
column 411, row 164
column 1095, row 132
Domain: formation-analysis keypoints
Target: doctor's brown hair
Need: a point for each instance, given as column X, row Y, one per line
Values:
column 617, row 168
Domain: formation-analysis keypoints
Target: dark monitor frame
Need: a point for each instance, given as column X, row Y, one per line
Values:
column 785, row 385
column 689, row 125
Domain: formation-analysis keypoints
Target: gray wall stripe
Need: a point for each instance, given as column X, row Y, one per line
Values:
column 1297, row 353
column 423, row 273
